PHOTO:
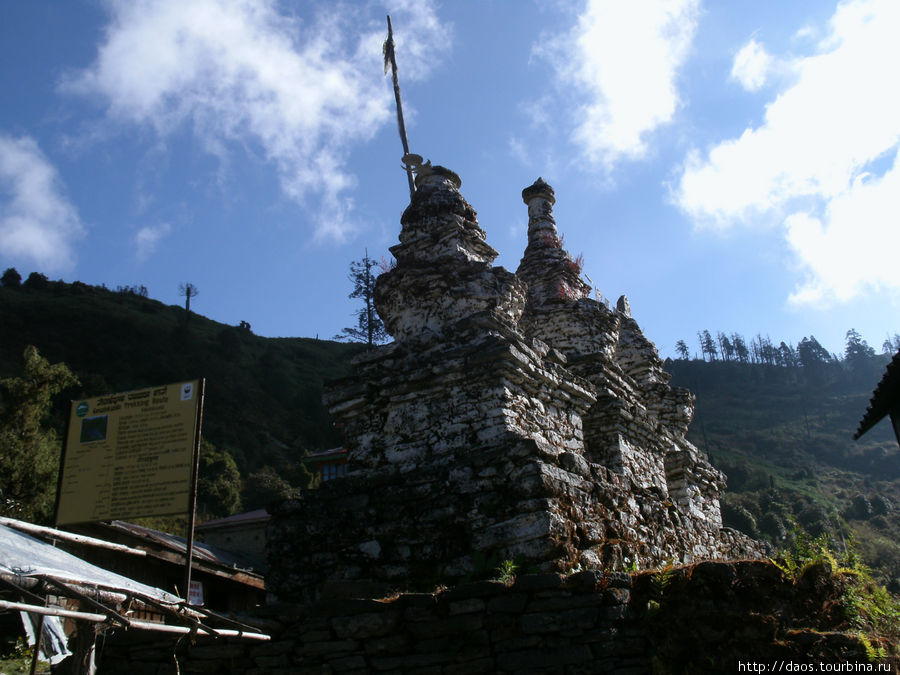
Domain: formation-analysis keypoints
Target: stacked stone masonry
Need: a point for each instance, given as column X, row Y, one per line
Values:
column 513, row 418
column 704, row 618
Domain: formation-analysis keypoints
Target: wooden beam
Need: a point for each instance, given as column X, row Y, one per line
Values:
column 141, row 625
column 60, row 535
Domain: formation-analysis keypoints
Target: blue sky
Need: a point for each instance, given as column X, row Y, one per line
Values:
column 729, row 166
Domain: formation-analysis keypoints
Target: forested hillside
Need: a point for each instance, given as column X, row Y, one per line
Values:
column 784, row 436
column 778, row 420
column 263, row 395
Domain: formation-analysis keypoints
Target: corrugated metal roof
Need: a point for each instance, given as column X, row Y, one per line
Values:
column 325, row 455
column 885, row 397
column 259, row 515
column 172, row 542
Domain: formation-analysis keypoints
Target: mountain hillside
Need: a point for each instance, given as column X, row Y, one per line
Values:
column 784, row 437
column 782, row 433
column 263, row 395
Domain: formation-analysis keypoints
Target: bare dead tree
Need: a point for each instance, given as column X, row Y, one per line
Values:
column 188, row 291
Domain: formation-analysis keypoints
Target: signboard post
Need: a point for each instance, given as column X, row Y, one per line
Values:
column 132, row 455
column 192, row 499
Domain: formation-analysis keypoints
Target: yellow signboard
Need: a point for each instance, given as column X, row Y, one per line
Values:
column 130, row 455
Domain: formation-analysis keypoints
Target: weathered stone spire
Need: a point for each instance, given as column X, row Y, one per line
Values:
column 493, row 428
column 439, row 223
column 443, row 271
column 551, row 273
column 540, row 198
column 559, row 310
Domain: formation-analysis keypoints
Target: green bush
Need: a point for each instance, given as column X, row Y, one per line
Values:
column 867, row 605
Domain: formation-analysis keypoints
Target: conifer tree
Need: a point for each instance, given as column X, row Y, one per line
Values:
column 726, row 347
column 891, row 344
column 787, row 357
column 369, row 327
column 857, row 352
column 811, row 354
column 740, row 348
column 708, row 345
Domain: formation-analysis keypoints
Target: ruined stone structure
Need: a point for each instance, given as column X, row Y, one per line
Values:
column 513, row 417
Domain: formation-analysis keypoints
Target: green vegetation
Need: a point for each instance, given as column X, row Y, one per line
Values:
column 30, row 449
column 369, row 328
column 660, row 582
column 219, row 481
column 16, row 657
column 506, row 571
column 809, row 354
column 867, row 606
column 263, row 408
column 783, row 434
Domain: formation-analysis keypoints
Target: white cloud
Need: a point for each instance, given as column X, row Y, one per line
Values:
column 806, row 32
column 147, row 239
column 804, row 165
column 622, row 61
column 304, row 91
column 37, row 221
column 853, row 248
column 751, row 66
column 518, row 151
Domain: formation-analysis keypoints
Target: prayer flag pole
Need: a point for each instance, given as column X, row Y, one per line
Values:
column 390, row 59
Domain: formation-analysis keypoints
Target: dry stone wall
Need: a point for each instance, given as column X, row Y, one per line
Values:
column 710, row 618
column 513, row 417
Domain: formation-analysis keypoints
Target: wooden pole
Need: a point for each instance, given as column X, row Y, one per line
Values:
column 62, row 464
column 133, row 623
column 61, row 535
column 192, row 500
column 39, row 633
column 390, row 58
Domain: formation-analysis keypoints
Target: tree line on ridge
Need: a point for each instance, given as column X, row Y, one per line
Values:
column 808, row 353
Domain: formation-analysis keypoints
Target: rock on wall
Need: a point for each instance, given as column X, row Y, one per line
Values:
column 513, row 417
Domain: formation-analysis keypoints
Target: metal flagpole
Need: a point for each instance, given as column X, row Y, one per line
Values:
column 391, row 59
